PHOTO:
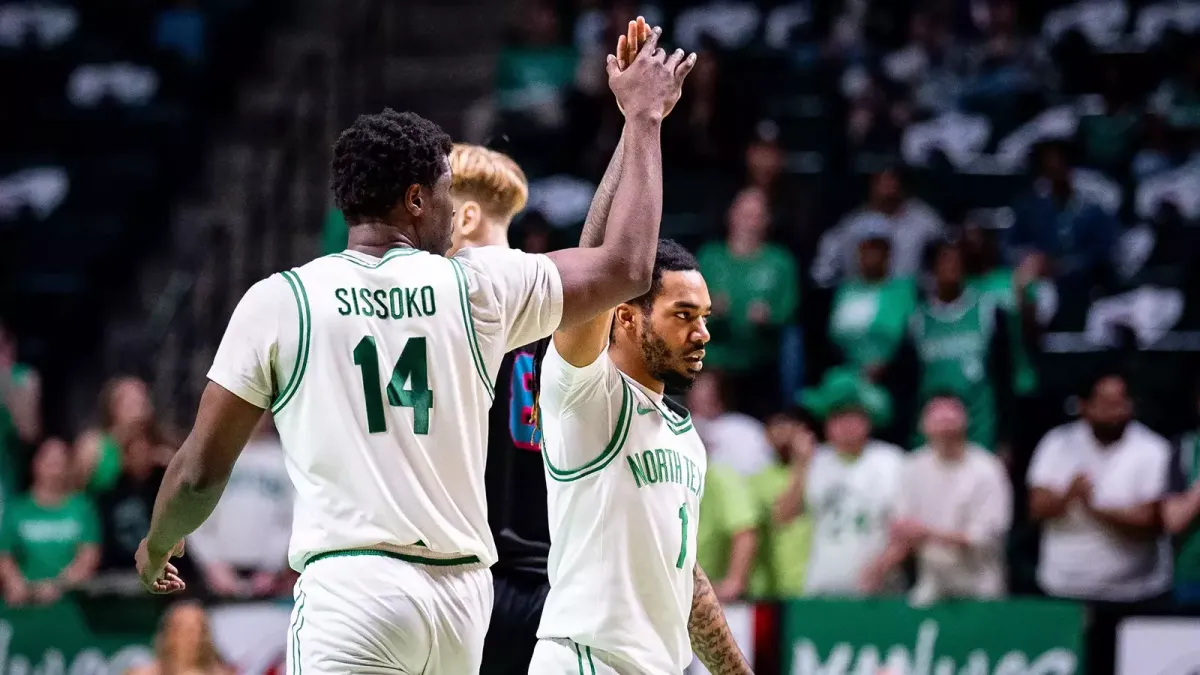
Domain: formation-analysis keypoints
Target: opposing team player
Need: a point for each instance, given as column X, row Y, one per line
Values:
column 378, row 364
column 625, row 472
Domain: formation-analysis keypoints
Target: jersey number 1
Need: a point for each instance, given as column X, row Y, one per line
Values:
column 411, row 368
column 683, row 518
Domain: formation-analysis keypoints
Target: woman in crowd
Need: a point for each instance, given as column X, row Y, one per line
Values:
column 184, row 645
column 125, row 407
column 50, row 537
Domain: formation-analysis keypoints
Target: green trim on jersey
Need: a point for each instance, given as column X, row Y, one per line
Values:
column 464, row 298
column 611, row 451
column 387, row 257
column 579, row 655
column 297, row 621
column 418, row 559
column 305, row 341
column 679, row 426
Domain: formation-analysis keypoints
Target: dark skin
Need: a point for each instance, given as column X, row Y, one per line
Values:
column 593, row 280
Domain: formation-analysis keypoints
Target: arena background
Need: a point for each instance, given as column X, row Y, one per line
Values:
column 159, row 156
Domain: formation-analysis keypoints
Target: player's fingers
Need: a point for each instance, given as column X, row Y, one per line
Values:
column 612, row 66
column 170, row 569
column 622, row 52
column 651, row 45
column 675, row 59
column 631, row 41
column 643, row 32
column 682, row 70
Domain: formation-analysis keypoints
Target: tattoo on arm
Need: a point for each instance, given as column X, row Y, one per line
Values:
column 711, row 639
column 597, row 216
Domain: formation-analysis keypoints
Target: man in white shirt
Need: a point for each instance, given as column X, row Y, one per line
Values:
column 1095, row 485
column 848, row 487
column 954, row 510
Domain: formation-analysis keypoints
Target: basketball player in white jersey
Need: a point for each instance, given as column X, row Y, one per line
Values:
column 378, row 364
column 624, row 474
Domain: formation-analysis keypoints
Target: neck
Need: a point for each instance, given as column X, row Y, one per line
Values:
column 949, row 292
column 46, row 495
column 743, row 248
column 951, row 451
column 491, row 236
column 851, row 450
column 376, row 238
column 628, row 362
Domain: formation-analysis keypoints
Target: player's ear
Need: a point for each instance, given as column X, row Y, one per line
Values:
column 413, row 199
column 625, row 317
column 470, row 219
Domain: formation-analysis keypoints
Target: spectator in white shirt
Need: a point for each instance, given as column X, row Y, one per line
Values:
column 848, row 487
column 733, row 439
column 953, row 512
column 1095, row 485
column 242, row 547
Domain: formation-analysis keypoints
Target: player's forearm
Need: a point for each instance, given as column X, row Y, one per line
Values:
column 597, row 215
column 631, row 236
column 188, row 496
column 711, row 638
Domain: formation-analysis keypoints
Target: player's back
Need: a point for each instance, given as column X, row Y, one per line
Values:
column 382, row 372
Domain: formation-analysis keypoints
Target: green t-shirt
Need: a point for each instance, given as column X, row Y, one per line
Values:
column 868, row 320
column 1187, row 558
column 953, row 342
column 334, row 232
column 782, row 557
column 10, row 441
column 997, row 286
column 769, row 277
column 108, row 466
column 530, row 76
column 725, row 509
column 44, row 540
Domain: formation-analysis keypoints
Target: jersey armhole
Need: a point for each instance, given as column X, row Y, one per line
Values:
column 464, row 297
column 610, row 452
column 304, row 342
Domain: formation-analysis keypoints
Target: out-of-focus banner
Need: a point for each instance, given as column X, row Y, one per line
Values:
column 1158, row 646
column 81, row 638
column 877, row 637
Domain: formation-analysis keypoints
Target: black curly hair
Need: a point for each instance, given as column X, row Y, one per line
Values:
column 671, row 256
column 380, row 156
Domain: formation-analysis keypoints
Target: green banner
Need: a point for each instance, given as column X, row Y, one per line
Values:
column 870, row 637
column 76, row 637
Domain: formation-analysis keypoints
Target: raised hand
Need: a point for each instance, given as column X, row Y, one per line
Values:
column 653, row 81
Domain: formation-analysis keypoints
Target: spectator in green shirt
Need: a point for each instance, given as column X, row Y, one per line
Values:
column 334, row 231
column 755, row 292
column 20, row 411
column 1181, row 516
column 725, row 536
column 779, row 568
column 50, row 537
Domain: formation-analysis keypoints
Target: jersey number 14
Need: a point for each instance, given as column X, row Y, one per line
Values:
column 412, row 368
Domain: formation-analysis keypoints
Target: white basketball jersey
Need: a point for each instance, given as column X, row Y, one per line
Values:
column 624, row 476
column 380, row 374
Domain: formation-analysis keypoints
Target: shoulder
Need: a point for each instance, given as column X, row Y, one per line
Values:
column 1148, row 440
column 285, row 286
column 986, row 461
column 488, row 259
column 1059, row 436
column 880, row 451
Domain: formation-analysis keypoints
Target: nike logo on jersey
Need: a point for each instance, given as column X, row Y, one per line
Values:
column 644, row 411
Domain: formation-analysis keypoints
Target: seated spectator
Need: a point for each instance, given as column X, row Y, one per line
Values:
column 754, row 288
column 1177, row 101
column 125, row 408
column 848, row 487
column 49, row 540
column 1095, row 485
column 125, row 508
column 726, row 536
column 242, row 547
column 871, row 310
column 1077, row 237
column 1110, row 134
column 537, row 68
column 953, row 511
column 961, row 344
column 912, row 223
column 733, row 439
column 184, row 645
column 1181, row 515
column 20, row 412
column 783, row 547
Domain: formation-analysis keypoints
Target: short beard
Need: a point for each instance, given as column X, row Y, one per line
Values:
column 657, row 357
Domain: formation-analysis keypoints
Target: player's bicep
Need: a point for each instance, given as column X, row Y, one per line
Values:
column 526, row 289
column 592, row 283
column 582, row 345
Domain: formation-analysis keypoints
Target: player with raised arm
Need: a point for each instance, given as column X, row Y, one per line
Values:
column 488, row 189
column 625, row 472
column 379, row 364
